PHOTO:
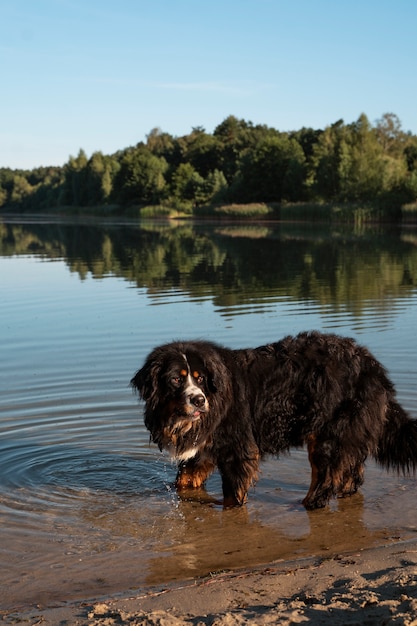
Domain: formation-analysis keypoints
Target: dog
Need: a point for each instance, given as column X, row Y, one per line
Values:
column 211, row 406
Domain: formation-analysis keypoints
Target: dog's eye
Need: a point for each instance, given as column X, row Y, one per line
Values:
column 199, row 378
column 176, row 380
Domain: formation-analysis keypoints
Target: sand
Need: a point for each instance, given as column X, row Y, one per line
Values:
column 375, row 586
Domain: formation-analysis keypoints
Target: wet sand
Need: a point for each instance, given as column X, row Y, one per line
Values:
column 372, row 586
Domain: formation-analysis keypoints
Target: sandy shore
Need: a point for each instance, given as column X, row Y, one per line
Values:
column 376, row 586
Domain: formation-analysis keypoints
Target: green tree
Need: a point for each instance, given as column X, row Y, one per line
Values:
column 107, row 182
column 215, row 187
column 3, row 196
column 234, row 137
column 362, row 165
column 410, row 153
column 325, row 161
column 161, row 144
column 201, row 150
column 140, row 179
column 100, row 171
column 21, row 191
column 210, row 190
column 390, row 135
column 95, row 172
column 358, row 162
column 186, row 186
column 273, row 171
column 75, row 192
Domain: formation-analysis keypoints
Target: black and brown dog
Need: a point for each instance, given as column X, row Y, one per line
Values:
column 210, row 407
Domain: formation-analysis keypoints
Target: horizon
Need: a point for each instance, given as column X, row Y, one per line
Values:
column 89, row 76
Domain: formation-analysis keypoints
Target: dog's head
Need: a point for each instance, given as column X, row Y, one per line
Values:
column 183, row 385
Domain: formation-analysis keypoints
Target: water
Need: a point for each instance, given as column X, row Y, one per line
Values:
column 86, row 503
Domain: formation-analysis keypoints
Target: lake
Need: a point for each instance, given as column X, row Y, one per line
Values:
column 86, row 502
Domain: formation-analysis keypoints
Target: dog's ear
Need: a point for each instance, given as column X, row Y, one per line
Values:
column 139, row 383
column 145, row 381
column 215, row 379
column 219, row 378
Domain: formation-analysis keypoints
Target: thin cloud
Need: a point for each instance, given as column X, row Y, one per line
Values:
column 208, row 87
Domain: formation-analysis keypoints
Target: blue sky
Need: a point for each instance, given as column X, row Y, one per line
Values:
column 100, row 74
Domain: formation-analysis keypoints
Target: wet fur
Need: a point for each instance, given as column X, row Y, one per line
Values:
column 319, row 390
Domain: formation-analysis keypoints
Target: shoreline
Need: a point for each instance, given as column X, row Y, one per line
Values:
column 375, row 585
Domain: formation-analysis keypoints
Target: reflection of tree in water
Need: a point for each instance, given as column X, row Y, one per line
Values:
column 234, row 265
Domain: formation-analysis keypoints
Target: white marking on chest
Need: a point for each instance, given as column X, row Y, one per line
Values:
column 187, row 454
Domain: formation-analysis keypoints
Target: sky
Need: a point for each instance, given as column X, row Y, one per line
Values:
column 99, row 75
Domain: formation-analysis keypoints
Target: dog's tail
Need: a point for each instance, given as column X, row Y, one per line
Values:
column 397, row 447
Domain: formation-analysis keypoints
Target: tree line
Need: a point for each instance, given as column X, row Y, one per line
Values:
column 238, row 163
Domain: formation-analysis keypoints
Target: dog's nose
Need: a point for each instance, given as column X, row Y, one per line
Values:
column 198, row 400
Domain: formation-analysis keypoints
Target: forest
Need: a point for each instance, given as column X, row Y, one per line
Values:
column 372, row 166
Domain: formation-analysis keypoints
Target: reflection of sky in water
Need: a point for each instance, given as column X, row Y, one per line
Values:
column 46, row 297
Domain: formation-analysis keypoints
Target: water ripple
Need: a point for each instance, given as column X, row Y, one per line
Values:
column 82, row 493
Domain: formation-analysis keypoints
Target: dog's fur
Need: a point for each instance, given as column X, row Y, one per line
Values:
column 210, row 406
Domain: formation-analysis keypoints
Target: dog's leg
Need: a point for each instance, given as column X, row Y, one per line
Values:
column 193, row 473
column 238, row 474
column 311, row 501
column 332, row 474
column 352, row 480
